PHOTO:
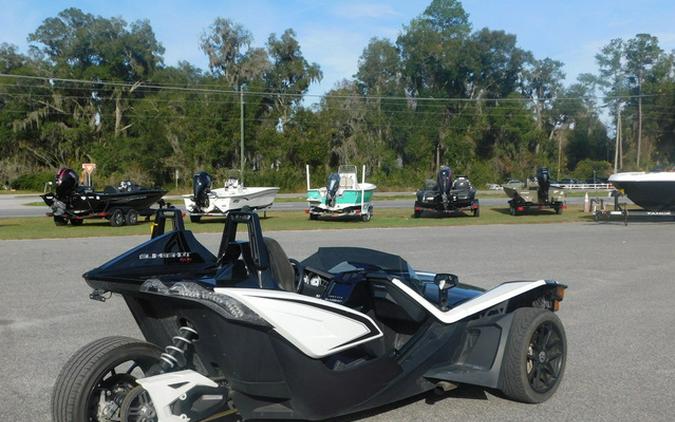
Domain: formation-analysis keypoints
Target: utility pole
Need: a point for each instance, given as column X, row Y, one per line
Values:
column 559, row 156
column 241, row 132
column 639, row 142
column 617, row 143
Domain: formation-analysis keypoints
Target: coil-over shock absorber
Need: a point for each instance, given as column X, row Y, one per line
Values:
column 174, row 354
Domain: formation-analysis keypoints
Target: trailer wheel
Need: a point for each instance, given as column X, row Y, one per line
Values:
column 98, row 377
column 60, row 221
column 368, row 215
column 76, row 221
column 195, row 218
column 131, row 217
column 117, row 217
column 535, row 356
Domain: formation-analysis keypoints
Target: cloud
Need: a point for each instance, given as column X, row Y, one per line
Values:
column 365, row 10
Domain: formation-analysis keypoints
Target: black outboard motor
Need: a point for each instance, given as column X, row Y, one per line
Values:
column 201, row 186
column 66, row 183
column 544, row 182
column 332, row 186
column 444, row 180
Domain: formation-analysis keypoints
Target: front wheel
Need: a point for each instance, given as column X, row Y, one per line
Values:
column 96, row 379
column 195, row 218
column 535, row 356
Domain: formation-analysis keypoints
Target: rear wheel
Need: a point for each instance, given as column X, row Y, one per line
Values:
column 132, row 217
column 513, row 210
column 195, row 218
column 76, row 221
column 417, row 214
column 313, row 216
column 117, row 217
column 96, row 379
column 60, row 221
column 558, row 209
column 535, row 356
column 476, row 212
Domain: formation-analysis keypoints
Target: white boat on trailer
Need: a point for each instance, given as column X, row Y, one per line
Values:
column 234, row 196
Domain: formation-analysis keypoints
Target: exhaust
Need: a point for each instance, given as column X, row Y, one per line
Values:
column 443, row 387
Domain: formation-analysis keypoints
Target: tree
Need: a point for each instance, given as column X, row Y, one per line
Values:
column 641, row 52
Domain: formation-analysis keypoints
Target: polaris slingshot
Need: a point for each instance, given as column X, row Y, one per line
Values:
column 248, row 330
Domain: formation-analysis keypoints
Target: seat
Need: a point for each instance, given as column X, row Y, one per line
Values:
column 280, row 265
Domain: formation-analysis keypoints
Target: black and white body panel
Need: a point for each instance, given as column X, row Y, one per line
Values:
column 480, row 303
column 317, row 327
column 165, row 389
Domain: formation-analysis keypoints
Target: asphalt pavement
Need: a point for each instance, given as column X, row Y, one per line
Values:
column 618, row 312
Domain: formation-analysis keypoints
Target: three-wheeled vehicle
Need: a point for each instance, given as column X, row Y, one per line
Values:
column 248, row 330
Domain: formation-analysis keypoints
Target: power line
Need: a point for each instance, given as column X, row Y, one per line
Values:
column 156, row 86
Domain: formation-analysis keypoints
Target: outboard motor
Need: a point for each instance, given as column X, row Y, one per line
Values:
column 332, row 186
column 201, row 186
column 444, row 179
column 66, row 183
column 544, row 182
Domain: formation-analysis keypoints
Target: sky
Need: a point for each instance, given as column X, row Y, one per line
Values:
column 334, row 33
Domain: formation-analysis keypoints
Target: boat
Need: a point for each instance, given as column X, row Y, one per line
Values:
column 653, row 191
column 536, row 194
column 205, row 201
column 343, row 195
column 72, row 202
column 447, row 197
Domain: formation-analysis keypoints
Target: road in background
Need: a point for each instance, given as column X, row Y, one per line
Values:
column 618, row 312
column 14, row 205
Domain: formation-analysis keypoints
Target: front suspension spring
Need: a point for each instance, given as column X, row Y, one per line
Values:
column 174, row 354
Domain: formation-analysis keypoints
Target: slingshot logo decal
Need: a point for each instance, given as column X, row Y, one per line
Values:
column 165, row 255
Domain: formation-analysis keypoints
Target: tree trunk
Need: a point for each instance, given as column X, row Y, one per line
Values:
column 639, row 141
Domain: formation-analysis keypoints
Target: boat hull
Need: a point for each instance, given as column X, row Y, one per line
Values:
column 653, row 196
column 346, row 199
column 85, row 203
column 224, row 200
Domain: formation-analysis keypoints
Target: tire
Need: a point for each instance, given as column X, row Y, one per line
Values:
column 417, row 214
column 117, row 217
column 313, row 216
column 75, row 398
column 195, row 218
column 558, row 209
column 476, row 212
column 76, row 221
column 60, row 221
column 534, row 362
column 368, row 215
column 131, row 219
column 512, row 210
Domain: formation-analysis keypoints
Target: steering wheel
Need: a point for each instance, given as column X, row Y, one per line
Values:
column 299, row 274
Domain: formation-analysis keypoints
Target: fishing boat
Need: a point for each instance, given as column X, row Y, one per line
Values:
column 233, row 196
column 343, row 195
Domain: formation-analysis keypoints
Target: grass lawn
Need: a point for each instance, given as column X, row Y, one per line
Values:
column 43, row 227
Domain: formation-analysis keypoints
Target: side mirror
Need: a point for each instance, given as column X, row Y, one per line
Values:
column 446, row 281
